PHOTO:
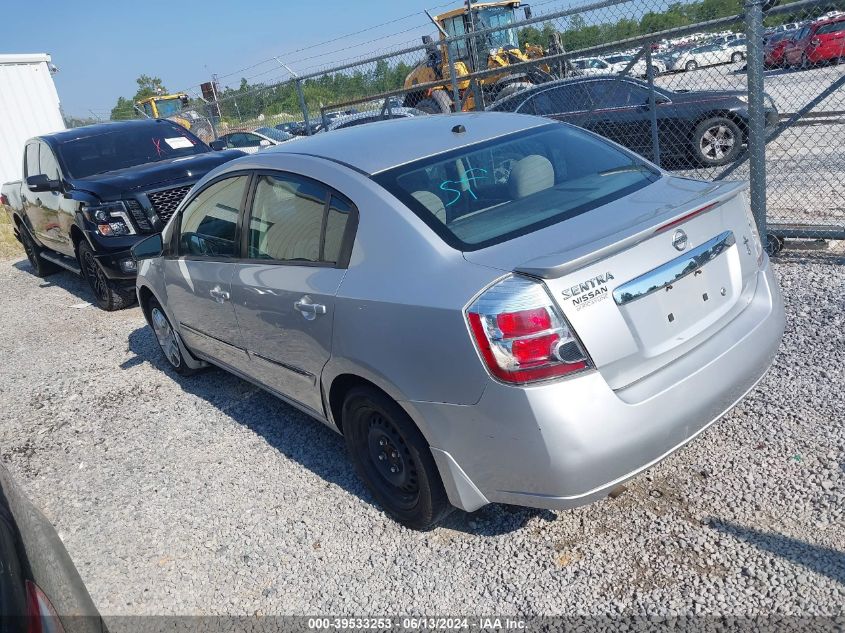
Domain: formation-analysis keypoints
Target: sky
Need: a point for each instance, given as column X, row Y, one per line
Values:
column 100, row 48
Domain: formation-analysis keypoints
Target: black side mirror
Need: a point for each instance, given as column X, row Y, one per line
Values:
column 40, row 182
column 528, row 13
column 148, row 248
column 217, row 145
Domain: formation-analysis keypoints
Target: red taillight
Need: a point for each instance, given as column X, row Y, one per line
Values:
column 521, row 335
column 524, row 322
column 3, row 199
column 41, row 617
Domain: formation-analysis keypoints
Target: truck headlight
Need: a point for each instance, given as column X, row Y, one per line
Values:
column 111, row 218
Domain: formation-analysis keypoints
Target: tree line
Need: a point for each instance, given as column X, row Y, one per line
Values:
column 249, row 101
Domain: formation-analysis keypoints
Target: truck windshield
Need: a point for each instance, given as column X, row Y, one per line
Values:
column 128, row 146
column 168, row 107
column 491, row 17
column 491, row 192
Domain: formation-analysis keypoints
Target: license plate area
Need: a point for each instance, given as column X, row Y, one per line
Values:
column 676, row 301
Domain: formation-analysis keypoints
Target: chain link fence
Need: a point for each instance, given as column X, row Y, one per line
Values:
column 673, row 81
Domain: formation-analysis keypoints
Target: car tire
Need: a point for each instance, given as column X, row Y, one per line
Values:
column 737, row 57
column 40, row 266
column 108, row 295
column 393, row 459
column 167, row 338
column 716, row 141
column 691, row 65
column 805, row 64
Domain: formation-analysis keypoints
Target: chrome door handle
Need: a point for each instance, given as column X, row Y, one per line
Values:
column 219, row 294
column 309, row 310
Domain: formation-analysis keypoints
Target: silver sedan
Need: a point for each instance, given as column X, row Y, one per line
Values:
column 495, row 309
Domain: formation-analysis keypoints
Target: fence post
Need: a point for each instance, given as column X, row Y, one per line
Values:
column 303, row 106
column 652, row 106
column 756, row 113
column 456, row 93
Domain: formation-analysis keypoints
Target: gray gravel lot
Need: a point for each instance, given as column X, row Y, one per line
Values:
column 207, row 496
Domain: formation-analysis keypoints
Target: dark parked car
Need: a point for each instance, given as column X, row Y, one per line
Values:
column 707, row 127
column 88, row 194
column 40, row 589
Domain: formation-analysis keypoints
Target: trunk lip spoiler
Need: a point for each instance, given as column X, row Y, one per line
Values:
column 674, row 270
column 592, row 252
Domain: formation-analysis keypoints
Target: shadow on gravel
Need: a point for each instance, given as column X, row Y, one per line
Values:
column 63, row 279
column 304, row 440
column 822, row 560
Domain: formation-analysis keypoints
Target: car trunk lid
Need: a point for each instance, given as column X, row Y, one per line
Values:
column 642, row 291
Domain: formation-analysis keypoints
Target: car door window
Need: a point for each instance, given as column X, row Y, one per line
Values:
column 49, row 166
column 31, row 164
column 286, row 222
column 251, row 140
column 567, row 98
column 612, row 94
column 208, row 225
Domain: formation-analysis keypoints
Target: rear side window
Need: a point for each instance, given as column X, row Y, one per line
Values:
column 566, row 98
column 287, row 219
column 494, row 191
column 208, row 227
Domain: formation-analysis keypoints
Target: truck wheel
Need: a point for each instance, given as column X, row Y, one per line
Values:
column 438, row 103
column 393, row 459
column 716, row 141
column 41, row 267
column 166, row 337
column 108, row 295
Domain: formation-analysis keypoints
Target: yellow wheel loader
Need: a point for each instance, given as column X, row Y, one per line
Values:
column 498, row 49
column 175, row 107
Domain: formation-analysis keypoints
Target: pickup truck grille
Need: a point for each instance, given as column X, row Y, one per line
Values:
column 165, row 202
column 139, row 215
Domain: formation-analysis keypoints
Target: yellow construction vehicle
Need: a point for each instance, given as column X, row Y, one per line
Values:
column 175, row 108
column 498, row 49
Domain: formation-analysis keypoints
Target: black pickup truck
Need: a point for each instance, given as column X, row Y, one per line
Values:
column 88, row 194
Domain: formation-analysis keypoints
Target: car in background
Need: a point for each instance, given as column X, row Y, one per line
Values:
column 500, row 308
column 820, row 42
column 775, row 47
column 618, row 63
column 89, row 193
column 288, row 127
column 588, row 66
column 708, row 127
column 351, row 120
column 40, row 588
column 733, row 51
column 252, row 142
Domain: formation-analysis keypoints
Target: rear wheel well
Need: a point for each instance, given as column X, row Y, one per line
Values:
column 341, row 386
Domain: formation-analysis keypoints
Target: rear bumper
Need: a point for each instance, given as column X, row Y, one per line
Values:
column 564, row 444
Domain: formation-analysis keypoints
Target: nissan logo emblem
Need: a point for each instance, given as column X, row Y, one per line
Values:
column 679, row 240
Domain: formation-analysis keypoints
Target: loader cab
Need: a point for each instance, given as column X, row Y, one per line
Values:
column 164, row 106
column 485, row 15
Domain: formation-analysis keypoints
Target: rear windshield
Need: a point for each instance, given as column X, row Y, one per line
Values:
column 491, row 192
column 128, row 146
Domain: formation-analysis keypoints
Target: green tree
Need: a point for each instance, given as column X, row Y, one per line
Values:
column 147, row 87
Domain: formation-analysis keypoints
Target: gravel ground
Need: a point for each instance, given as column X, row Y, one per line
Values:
column 207, row 496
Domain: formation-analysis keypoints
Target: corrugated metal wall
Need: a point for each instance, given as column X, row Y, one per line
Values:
column 29, row 106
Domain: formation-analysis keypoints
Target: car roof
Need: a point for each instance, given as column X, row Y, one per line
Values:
column 527, row 92
column 372, row 114
column 400, row 141
column 88, row 131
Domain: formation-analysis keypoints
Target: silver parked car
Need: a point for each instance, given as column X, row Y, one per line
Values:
column 497, row 309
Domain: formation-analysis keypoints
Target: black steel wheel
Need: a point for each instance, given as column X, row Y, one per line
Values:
column 107, row 294
column 40, row 266
column 393, row 459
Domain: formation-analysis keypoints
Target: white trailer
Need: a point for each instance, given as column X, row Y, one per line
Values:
column 29, row 106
